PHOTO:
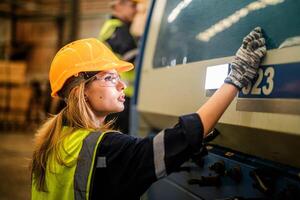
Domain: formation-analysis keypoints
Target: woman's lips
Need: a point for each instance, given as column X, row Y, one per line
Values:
column 121, row 98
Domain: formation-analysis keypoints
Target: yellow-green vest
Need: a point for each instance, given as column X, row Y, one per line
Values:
column 128, row 78
column 73, row 181
column 107, row 30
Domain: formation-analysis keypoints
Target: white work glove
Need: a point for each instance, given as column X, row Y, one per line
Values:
column 244, row 66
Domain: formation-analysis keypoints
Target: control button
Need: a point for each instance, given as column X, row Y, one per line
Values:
column 218, row 167
column 235, row 173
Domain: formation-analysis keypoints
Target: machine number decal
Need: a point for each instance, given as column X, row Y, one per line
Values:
column 266, row 88
column 280, row 81
column 276, row 90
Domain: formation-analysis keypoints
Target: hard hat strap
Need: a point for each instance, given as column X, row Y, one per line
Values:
column 74, row 81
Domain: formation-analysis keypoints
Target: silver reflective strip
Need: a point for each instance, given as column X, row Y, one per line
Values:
column 84, row 163
column 101, row 162
column 130, row 54
column 159, row 155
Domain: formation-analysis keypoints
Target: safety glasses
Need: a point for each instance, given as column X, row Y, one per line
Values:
column 107, row 79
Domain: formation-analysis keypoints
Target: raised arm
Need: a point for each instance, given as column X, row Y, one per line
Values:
column 243, row 70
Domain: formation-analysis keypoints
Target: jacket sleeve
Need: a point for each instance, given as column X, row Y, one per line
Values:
column 173, row 146
column 135, row 163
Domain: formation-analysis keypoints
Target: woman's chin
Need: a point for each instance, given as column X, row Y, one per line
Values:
column 119, row 109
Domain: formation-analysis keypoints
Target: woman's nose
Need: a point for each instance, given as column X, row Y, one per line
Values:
column 121, row 85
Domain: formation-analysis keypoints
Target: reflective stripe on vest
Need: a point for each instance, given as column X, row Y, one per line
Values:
column 71, row 182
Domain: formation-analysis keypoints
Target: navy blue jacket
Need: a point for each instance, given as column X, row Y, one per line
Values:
column 127, row 166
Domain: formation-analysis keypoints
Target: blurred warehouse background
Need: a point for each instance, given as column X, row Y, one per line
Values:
column 31, row 32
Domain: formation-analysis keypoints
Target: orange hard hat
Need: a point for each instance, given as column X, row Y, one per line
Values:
column 85, row 55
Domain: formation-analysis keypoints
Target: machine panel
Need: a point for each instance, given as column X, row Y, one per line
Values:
column 176, row 57
column 186, row 52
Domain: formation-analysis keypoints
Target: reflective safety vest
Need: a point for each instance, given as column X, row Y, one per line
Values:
column 109, row 28
column 106, row 33
column 73, row 181
column 128, row 77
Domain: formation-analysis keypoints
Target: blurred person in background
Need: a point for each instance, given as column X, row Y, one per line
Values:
column 78, row 156
column 115, row 33
column 139, row 22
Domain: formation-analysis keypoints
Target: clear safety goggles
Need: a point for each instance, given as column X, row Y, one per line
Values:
column 107, row 79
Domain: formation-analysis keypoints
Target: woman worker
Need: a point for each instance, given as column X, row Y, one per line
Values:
column 78, row 156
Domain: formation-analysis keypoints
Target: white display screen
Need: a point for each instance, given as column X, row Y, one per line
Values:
column 215, row 76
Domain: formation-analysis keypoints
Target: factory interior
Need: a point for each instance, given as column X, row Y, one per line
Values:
column 31, row 32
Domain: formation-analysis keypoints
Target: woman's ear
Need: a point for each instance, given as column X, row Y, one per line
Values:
column 85, row 97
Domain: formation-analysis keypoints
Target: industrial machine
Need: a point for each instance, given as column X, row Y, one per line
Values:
column 186, row 50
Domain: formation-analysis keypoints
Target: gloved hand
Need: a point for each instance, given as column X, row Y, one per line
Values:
column 244, row 66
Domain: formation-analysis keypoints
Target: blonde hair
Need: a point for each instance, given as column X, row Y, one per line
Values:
column 49, row 137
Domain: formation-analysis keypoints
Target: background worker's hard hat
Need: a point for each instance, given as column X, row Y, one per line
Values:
column 86, row 55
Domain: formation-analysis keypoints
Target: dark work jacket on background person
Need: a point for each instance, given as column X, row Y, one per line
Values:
column 121, row 41
column 133, row 164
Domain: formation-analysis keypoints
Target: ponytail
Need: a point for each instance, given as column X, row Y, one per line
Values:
column 46, row 141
